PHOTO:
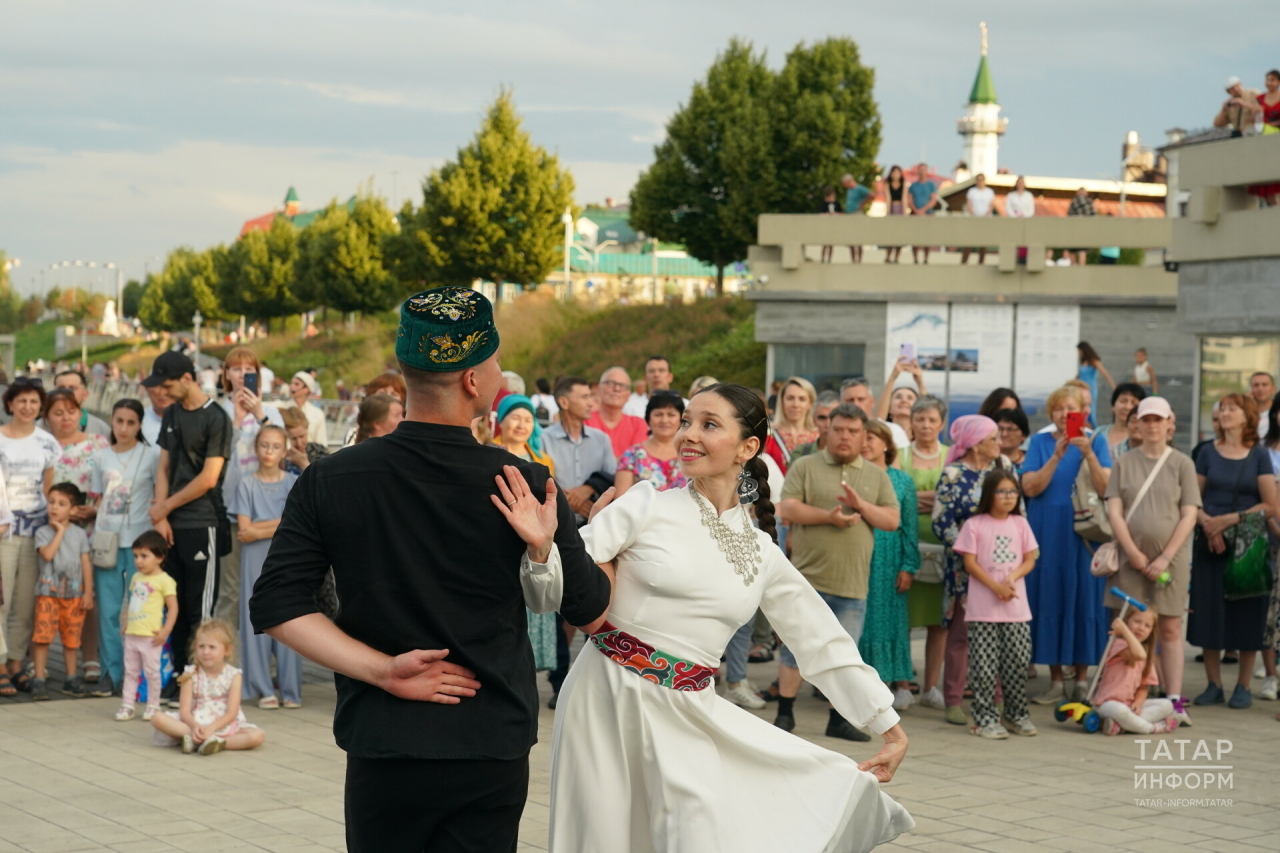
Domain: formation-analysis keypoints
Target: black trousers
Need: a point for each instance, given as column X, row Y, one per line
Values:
column 193, row 564
column 411, row 805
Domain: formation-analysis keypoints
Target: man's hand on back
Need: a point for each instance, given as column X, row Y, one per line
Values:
column 425, row 676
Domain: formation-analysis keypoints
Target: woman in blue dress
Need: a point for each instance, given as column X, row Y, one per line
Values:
column 1090, row 366
column 1068, row 620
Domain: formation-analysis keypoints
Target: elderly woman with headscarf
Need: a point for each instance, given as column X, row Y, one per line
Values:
column 974, row 453
column 518, row 431
column 521, row 435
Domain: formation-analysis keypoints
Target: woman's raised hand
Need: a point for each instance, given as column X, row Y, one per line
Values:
column 534, row 520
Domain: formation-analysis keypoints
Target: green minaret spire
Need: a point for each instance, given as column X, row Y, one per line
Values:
column 984, row 91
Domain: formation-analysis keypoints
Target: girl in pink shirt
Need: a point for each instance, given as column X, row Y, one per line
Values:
column 1128, row 671
column 999, row 551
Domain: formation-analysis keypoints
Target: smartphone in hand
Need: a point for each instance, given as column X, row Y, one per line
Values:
column 251, row 383
column 907, row 352
column 1075, row 424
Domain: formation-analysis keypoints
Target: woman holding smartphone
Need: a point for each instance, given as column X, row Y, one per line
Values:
column 1069, row 623
column 242, row 402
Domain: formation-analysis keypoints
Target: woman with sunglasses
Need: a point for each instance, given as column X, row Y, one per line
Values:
column 27, row 454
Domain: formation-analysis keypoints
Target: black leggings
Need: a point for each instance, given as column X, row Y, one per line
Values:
column 412, row 805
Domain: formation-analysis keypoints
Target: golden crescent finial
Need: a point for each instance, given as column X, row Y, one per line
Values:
column 983, row 26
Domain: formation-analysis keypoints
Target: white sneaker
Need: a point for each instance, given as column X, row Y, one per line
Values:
column 1260, row 671
column 743, row 696
column 1268, row 688
column 1180, row 710
column 1055, row 694
column 932, row 698
column 902, row 699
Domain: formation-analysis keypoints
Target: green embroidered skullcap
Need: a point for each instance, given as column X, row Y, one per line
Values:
column 447, row 328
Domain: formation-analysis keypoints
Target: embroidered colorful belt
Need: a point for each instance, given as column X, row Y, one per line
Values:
column 649, row 663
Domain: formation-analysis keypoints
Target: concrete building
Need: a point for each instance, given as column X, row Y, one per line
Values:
column 1227, row 257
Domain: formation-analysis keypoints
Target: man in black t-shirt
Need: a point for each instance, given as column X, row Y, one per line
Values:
column 195, row 443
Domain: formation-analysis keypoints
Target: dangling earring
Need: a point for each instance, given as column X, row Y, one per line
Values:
column 748, row 488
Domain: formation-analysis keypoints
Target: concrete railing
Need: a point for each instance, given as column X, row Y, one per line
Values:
column 1224, row 220
column 340, row 415
column 779, row 262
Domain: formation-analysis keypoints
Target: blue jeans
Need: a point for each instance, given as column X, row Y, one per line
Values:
column 737, row 652
column 851, row 612
column 108, row 596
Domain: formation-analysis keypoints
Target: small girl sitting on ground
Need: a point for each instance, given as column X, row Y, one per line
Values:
column 209, row 718
column 999, row 551
column 1128, row 671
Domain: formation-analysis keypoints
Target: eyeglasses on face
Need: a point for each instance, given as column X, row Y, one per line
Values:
column 1006, row 493
column 32, row 381
column 616, row 386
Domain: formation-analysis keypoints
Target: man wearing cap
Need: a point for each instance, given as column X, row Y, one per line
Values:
column 302, row 387
column 195, row 443
column 437, row 705
column 1238, row 110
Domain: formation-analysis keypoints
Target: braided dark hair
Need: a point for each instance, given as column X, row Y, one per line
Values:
column 749, row 409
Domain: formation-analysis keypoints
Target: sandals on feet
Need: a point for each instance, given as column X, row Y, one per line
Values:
column 6, row 686
column 268, row 703
column 92, row 671
column 21, row 681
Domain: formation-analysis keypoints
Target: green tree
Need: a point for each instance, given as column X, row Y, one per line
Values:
column 188, row 282
column 340, row 260
column 258, row 277
column 493, row 214
column 132, row 297
column 32, row 309
column 750, row 141
column 715, row 172
column 825, row 122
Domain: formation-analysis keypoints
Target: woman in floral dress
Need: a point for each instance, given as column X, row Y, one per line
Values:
column 886, row 640
column 655, row 460
column 75, row 465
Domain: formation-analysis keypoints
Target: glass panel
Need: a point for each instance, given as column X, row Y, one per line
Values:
column 825, row 365
column 1227, row 364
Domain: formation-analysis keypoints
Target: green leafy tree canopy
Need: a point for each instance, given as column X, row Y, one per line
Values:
column 493, row 214
column 258, row 277
column 188, row 282
column 752, row 141
column 340, row 260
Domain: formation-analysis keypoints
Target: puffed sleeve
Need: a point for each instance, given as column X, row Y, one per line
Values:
column 543, row 583
column 619, row 524
column 827, row 655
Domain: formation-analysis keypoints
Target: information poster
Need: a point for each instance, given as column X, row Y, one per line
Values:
column 1045, row 351
column 978, row 351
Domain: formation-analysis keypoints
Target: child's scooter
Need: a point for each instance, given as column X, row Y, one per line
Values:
column 1082, row 712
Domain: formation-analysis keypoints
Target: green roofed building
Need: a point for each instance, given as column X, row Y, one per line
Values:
column 292, row 211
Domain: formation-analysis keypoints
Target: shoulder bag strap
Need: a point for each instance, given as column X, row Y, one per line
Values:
column 782, row 446
column 1142, row 493
column 1235, row 498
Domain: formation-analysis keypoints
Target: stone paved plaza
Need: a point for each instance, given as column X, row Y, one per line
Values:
column 73, row 779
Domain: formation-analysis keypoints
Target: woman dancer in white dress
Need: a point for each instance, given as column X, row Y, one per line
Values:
column 645, row 756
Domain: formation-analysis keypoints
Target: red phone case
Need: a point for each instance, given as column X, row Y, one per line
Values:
column 1075, row 424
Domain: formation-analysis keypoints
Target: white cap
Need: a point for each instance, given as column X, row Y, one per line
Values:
column 1157, row 406
column 1233, row 81
column 310, row 381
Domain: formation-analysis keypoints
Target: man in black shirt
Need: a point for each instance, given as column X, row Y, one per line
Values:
column 195, row 443
column 437, row 706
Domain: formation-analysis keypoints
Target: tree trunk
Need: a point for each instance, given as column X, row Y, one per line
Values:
column 719, row 280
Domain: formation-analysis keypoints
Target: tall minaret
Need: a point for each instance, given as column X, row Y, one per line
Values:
column 981, row 126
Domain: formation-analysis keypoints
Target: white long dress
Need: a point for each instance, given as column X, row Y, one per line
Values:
column 637, row 767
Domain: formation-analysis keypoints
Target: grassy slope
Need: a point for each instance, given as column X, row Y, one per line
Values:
column 545, row 337
column 710, row 337
column 38, row 341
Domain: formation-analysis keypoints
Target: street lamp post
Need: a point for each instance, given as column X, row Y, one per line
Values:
column 196, row 321
column 567, row 220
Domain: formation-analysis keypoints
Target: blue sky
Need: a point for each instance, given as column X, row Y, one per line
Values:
column 128, row 128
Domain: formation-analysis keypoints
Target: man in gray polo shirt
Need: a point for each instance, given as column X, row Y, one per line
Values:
column 578, row 451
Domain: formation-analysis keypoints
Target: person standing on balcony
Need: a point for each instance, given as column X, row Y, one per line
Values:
column 923, row 196
column 980, row 201
column 1238, row 109
column 895, row 191
column 828, row 205
column 1081, row 205
column 1267, row 107
column 856, row 197
column 1020, row 204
